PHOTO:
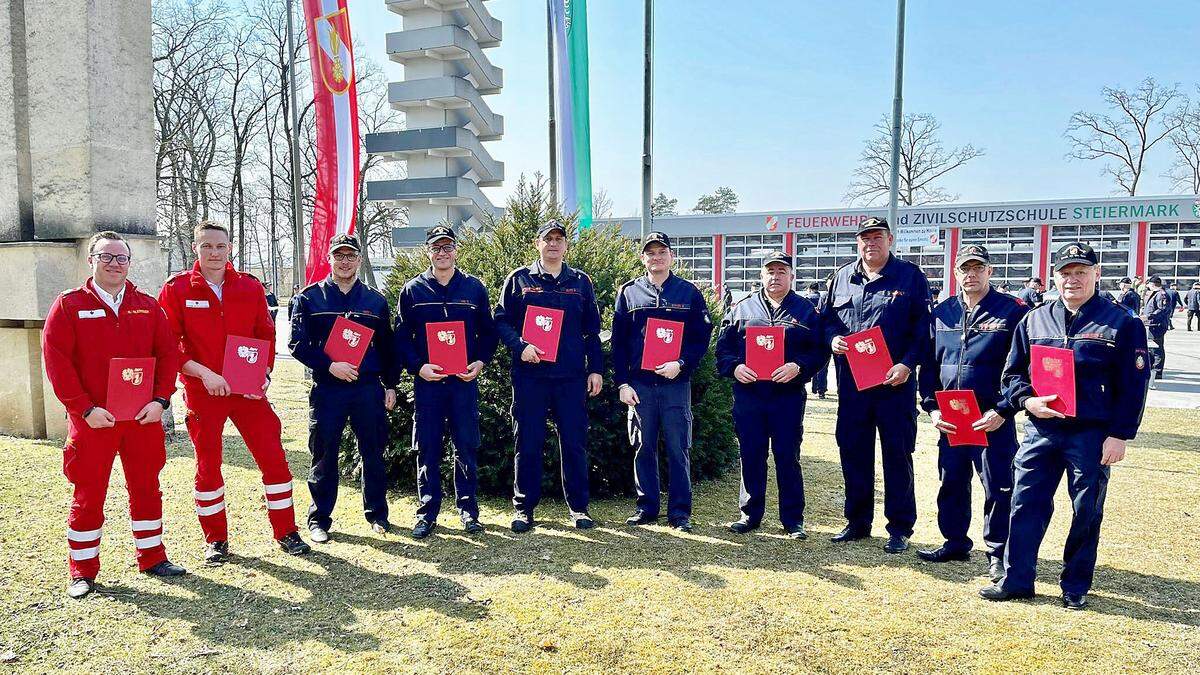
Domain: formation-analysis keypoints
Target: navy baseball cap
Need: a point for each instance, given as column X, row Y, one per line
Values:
column 1075, row 253
column 1125, row 280
column 439, row 232
column 777, row 257
column 551, row 226
column 656, row 238
column 1156, row 280
column 972, row 252
column 873, row 224
column 344, row 241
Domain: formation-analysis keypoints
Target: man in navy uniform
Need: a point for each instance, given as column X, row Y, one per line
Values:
column 1129, row 297
column 820, row 381
column 660, row 401
column 557, row 389
column 1156, row 314
column 769, row 412
column 445, row 293
column 342, row 391
column 1031, row 295
column 1111, row 371
column 1192, row 302
column 972, row 334
column 878, row 289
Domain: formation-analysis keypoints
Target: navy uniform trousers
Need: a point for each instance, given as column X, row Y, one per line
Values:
column 665, row 410
column 536, row 399
column 892, row 412
column 770, row 417
column 956, row 467
column 1044, row 456
column 437, row 405
column 331, row 404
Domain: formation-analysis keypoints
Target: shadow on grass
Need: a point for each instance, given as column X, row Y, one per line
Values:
column 222, row 614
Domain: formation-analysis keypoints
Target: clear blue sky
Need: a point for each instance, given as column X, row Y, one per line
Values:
column 774, row 97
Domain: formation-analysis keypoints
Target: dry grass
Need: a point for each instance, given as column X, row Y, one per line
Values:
column 613, row 599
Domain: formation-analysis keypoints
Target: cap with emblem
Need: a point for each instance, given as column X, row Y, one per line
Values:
column 777, row 257
column 1157, row 280
column 656, row 238
column 344, row 241
column 972, row 253
column 873, row 224
column 1074, row 253
column 439, row 232
column 1125, row 280
column 551, row 226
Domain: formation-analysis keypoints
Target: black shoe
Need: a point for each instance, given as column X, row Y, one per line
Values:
column 292, row 544
column 381, row 527
column 523, row 522
column 1074, row 600
column 472, row 525
column 216, row 552
column 821, row 396
column 166, row 568
column 742, row 526
column 995, row 568
column 584, row 522
column 79, row 588
column 423, row 528
column 943, row 554
column 682, row 524
column 896, row 544
column 850, row 533
column 796, row 531
column 640, row 517
column 318, row 534
column 997, row 593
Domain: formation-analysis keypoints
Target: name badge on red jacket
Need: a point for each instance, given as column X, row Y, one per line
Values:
column 348, row 341
column 868, row 357
column 130, row 386
column 447, row 345
column 960, row 408
column 245, row 365
column 663, row 343
column 764, row 350
column 542, row 329
column 1052, row 371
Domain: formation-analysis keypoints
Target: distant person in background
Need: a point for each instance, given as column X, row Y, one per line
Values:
column 272, row 301
column 1176, row 302
column 1031, row 295
column 820, row 381
column 1156, row 314
column 1192, row 302
column 934, row 293
column 1128, row 297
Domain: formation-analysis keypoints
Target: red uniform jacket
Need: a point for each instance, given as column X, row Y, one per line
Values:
column 82, row 335
column 201, row 322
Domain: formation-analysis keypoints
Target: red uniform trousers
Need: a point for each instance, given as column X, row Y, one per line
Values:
column 87, row 464
column 261, row 430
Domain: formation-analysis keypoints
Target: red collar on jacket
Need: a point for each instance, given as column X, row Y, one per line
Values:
column 197, row 277
column 89, row 287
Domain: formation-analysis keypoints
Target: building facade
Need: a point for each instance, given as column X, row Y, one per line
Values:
column 1135, row 236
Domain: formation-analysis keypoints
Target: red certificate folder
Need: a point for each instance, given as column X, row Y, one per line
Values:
column 868, row 357
column 764, row 349
column 447, row 345
column 130, row 387
column 245, row 366
column 960, row 408
column 663, row 343
column 543, row 327
column 1052, row 371
column 348, row 341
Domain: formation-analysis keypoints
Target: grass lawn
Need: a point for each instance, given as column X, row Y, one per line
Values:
column 614, row 598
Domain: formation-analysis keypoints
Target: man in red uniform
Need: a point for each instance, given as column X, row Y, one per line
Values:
column 105, row 318
column 204, row 307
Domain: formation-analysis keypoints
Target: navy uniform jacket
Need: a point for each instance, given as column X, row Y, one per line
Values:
column 1157, row 312
column 1111, row 364
column 425, row 300
column 897, row 301
column 1193, row 300
column 970, row 352
column 1173, row 294
column 313, row 311
column 803, row 340
column 638, row 300
column 1030, row 297
column 579, row 351
column 1130, row 299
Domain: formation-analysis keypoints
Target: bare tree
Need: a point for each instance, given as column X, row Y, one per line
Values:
column 373, row 219
column 923, row 162
column 602, row 205
column 1138, row 121
column 1185, row 171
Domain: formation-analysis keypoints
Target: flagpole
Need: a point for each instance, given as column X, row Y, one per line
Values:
column 647, row 118
column 897, row 112
column 297, row 213
column 550, row 97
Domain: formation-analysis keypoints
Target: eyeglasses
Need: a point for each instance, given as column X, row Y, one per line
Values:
column 444, row 248
column 342, row 257
column 106, row 258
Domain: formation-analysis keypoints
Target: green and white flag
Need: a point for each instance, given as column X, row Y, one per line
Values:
column 573, row 141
